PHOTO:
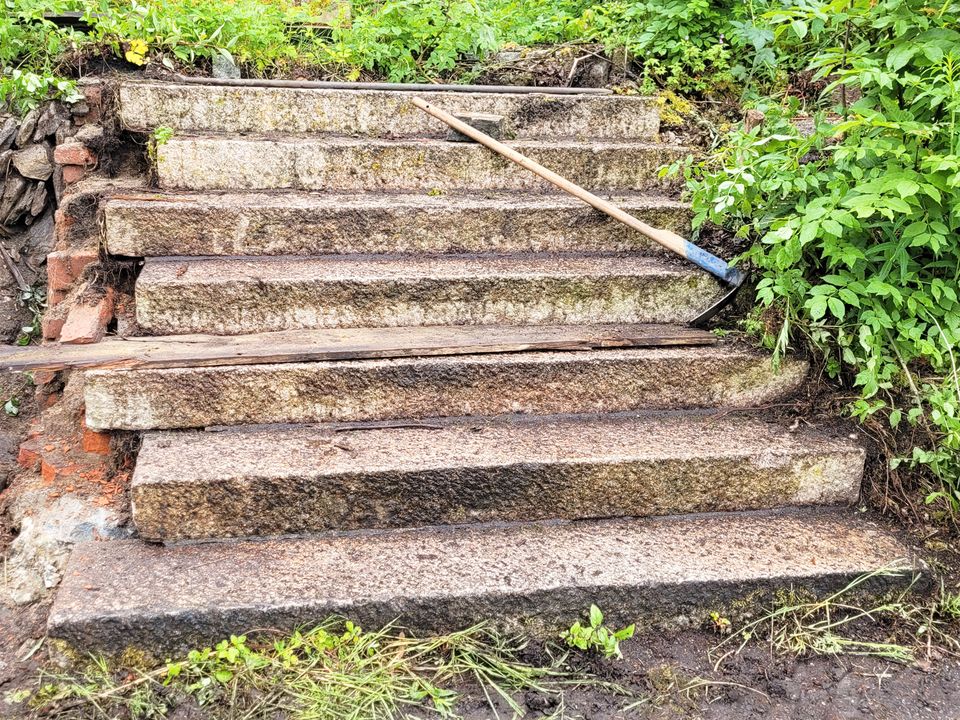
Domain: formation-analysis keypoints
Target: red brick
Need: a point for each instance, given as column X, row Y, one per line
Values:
column 29, row 455
column 44, row 377
column 74, row 153
column 96, row 442
column 62, row 224
column 65, row 266
column 51, row 470
column 73, row 173
column 51, row 326
column 87, row 323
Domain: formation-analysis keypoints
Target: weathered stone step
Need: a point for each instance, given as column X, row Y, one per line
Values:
column 347, row 164
column 539, row 383
column 377, row 113
column 234, row 296
column 128, row 594
column 325, row 223
column 278, row 481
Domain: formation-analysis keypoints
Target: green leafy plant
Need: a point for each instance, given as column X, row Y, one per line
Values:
column 335, row 670
column 30, row 51
column 35, row 300
column 409, row 39
column 12, row 406
column 596, row 636
column 857, row 224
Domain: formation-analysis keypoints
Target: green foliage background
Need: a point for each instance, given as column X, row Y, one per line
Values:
column 857, row 225
column 692, row 46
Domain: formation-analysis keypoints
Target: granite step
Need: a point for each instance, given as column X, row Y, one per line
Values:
column 541, row 383
column 144, row 106
column 156, row 224
column 230, row 162
column 121, row 594
column 235, row 296
column 278, row 481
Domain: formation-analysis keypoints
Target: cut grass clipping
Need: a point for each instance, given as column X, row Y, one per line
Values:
column 897, row 628
column 332, row 672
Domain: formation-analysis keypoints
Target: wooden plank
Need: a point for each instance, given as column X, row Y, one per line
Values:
column 341, row 344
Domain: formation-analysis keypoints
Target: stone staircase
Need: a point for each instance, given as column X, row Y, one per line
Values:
column 437, row 488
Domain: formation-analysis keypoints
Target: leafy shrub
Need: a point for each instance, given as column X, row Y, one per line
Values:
column 857, row 225
column 406, row 40
column 684, row 45
column 693, row 46
column 29, row 52
column 255, row 33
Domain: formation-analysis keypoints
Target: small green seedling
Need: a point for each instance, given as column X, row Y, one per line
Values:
column 162, row 135
column 158, row 138
column 597, row 636
column 720, row 623
column 12, row 407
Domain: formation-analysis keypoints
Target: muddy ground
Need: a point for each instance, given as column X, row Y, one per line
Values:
column 673, row 672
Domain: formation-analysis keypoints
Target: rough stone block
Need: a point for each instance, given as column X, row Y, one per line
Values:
column 541, row 383
column 250, row 481
column 229, row 297
column 130, row 594
column 376, row 113
column 368, row 224
column 34, row 162
column 351, row 164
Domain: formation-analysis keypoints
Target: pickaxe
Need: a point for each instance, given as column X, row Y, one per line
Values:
column 731, row 276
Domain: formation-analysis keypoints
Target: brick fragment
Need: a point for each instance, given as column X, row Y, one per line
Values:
column 73, row 173
column 87, row 323
column 51, row 325
column 95, row 442
column 29, row 455
column 65, row 266
column 73, row 153
column 44, row 377
column 63, row 221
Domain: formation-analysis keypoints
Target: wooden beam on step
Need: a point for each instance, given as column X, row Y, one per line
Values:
column 341, row 344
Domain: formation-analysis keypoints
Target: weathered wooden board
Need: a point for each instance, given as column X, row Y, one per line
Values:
column 341, row 344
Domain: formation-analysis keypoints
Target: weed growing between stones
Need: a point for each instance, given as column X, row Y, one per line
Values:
column 334, row 671
column 899, row 629
column 596, row 636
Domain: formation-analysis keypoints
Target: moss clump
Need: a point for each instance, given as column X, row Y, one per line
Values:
column 674, row 110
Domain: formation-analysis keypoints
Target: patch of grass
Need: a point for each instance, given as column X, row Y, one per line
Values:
column 331, row 672
column 899, row 629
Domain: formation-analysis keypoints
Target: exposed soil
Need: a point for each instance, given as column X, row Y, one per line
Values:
column 675, row 674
